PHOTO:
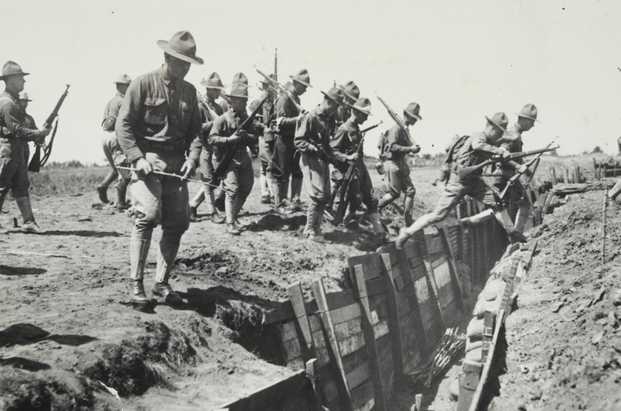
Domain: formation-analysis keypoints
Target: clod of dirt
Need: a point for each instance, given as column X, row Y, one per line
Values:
column 218, row 263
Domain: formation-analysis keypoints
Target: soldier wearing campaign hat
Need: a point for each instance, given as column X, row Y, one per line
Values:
column 474, row 150
column 111, row 147
column 285, row 164
column 211, row 108
column 518, row 202
column 351, row 93
column 158, row 123
column 267, row 139
column 312, row 139
column 15, row 133
column 346, row 146
column 238, row 176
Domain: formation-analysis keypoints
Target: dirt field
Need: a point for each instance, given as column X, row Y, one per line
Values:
column 67, row 333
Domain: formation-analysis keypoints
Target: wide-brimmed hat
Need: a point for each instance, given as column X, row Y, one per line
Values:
column 302, row 77
column 11, row 68
column 529, row 111
column 272, row 77
column 499, row 120
column 123, row 79
column 182, row 46
column 23, row 96
column 363, row 105
column 413, row 111
column 335, row 94
column 239, row 86
column 351, row 90
column 213, row 81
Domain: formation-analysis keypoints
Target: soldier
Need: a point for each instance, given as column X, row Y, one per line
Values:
column 211, row 109
column 158, row 122
column 351, row 93
column 517, row 196
column 15, row 133
column 238, row 176
column 394, row 146
column 312, row 139
column 285, row 160
column 474, row 150
column 345, row 144
column 266, row 141
column 111, row 147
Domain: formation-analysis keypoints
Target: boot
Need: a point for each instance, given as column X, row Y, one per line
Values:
column 265, row 190
column 2, row 197
column 521, row 218
column 102, row 193
column 139, row 244
column 408, row 207
column 296, row 191
column 169, row 246
column 231, row 216
column 138, row 294
column 377, row 225
column 502, row 216
column 385, row 200
column 25, row 208
column 121, row 192
column 197, row 201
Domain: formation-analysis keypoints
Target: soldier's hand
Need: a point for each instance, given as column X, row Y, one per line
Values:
column 187, row 169
column 45, row 131
column 311, row 148
column 353, row 157
column 235, row 138
column 504, row 153
column 143, row 167
column 415, row 149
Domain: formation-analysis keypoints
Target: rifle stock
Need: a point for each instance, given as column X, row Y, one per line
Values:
column 396, row 119
column 466, row 171
column 37, row 161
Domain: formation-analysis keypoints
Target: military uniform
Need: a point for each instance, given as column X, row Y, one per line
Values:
column 394, row 147
column 266, row 146
column 238, row 175
column 312, row 139
column 112, row 149
column 16, row 130
column 159, row 122
column 285, row 162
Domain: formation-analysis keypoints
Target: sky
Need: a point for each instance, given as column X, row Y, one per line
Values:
column 459, row 60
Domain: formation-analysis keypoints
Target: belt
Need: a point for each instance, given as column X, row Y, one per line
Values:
column 162, row 146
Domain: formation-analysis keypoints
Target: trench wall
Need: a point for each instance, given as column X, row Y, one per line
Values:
column 348, row 348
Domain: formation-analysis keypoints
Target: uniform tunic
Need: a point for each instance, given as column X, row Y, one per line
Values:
column 516, row 195
column 285, row 160
column 15, row 133
column 346, row 141
column 160, row 120
column 316, row 128
column 394, row 146
column 210, row 111
column 110, row 145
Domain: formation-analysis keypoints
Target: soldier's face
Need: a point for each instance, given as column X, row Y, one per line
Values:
column 299, row 88
column 176, row 68
column 360, row 117
column 15, row 83
column 238, row 104
column 525, row 123
column 213, row 93
column 493, row 133
column 122, row 88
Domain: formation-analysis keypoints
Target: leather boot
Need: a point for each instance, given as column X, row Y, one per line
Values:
column 138, row 294
column 377, row 225
column 121, row 194
column 231, row 216
column 265, row 190
column 169, row 246
column 296, row 191
column 25, row 208
column 138, row 251
column 408, row 207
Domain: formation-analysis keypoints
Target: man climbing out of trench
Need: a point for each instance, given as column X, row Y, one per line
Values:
column 158, row 123
column 516, row 195
column 465, row 179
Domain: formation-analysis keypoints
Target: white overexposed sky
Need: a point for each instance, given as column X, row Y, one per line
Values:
column 460, row 60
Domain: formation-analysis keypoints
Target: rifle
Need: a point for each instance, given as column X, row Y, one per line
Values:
column 37, row 161
column 280, row 88
column 165, row 174
column 517, row 175
column 466, row 171
column 343, row 190
column 397, row 120
column 224, row 164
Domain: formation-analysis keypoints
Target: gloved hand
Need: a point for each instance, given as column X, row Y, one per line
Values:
column 143, row 167
column 188, row 168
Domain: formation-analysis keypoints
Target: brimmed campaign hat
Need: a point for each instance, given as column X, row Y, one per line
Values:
column 529, row 111
column 412, row 111
column 239, row 86
column 213, row 81
column 499, row 120
column 335, row 94
column 302, row 77
column 182, row 46
column 23, row 96
column 351, row 90
column 11, row 68
column 363, row 105
column 123, row 79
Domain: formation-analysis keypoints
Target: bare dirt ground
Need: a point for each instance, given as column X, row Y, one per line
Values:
column 564, row 342
column 68, row 337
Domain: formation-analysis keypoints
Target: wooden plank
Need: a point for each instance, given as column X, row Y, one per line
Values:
column 352, row 344
column 360, row 283
column 371, row 262
column 393, row 313
column 335, row 356
column 296, row 296
column 346, row 313
column 456, row 284
column 358, row 375
column 363, row 397
column 340, row 299
column 288, row 331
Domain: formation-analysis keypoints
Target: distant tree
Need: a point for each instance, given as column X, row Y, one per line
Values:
column 597, row 150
